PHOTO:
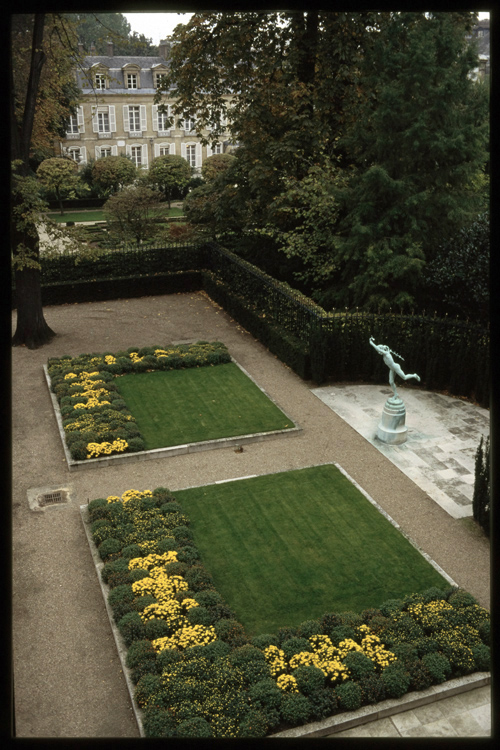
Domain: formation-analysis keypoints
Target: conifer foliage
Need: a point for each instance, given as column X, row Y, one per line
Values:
column 481, row 499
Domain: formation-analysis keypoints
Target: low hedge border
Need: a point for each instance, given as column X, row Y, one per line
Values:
column 95, row 420
column 196, row 672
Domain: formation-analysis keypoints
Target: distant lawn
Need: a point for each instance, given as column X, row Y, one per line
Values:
column 175, row 407
column 99, row 215
column 289, row 547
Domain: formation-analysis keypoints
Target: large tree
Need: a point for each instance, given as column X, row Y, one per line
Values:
column 42, row 98
column 95, row 29
column 354, row 130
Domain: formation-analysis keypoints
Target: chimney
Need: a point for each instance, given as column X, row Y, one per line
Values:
column 81, row 51
column 92, row 48
column 164, row 49
column 110, row 47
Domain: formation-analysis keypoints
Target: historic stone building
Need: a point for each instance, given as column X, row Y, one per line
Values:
column 117, row 115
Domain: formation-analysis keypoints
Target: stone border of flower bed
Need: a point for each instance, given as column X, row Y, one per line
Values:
column 175, row 450
column 332, row 724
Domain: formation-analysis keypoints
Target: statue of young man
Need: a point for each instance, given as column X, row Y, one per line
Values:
column 393, row 366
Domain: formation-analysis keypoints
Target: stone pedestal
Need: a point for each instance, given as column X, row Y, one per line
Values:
column 392, row 428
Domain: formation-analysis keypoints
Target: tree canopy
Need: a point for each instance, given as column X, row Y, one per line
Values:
column 113, row 172
column 94, row 29
column 361, row 135
column 169, row 173
column 59, row 174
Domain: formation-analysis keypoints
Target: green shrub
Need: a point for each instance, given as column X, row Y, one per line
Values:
column 461, row 598
column 99, row 502
column 438, row 666
column 120, row 599
column 146, row 688
column 433, row 594
column 295, row 709
column 391, row 607
column 131, row 551
column 310, row 679
column 196, row 727
column 350, row 619
column 482, row 658
column 170, row 507
column 308, row 628
column 78, row 451
column 199, row 616
column 131, row 628
column 349, row 695
column 182, row 534
column 253, row 726
column 198, row 578
column 143, row 601
column 328, row 621
column 284, row 634
column 323, row 703
column 266, row 696
column 295, row 645
column 396, row 680
column 109, row 549
column 359, row 665
column 372, row 689
column 167, row 545
column 114, row 571
column 188, row 554
column 406, row 653
column 263, row 641
column 484, row 630
column 425, row 645
column 157, row 722
column 101, row 530
column 167, row 657
column 231, row 632
column 251, row 662
column 156, row 628
column 137, row 574
column 341, row 633
column 136, row 444
column 420, row 676
column 139, row 652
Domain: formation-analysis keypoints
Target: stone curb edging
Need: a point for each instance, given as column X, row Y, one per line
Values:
column 120, row 645
column 386, row 708
column 175, row 450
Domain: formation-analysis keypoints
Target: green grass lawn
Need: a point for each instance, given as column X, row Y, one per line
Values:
column 175, row 407
column 289, row 547
column 98, row 215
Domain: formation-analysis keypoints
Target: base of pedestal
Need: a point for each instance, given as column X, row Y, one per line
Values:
column 392, row 428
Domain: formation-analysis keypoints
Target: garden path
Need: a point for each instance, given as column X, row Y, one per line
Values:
column 67, row 675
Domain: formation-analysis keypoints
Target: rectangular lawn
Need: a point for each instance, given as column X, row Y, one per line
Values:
column 175, row 407
column 288, row 547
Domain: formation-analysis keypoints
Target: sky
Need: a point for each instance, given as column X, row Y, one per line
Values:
column 158, row 26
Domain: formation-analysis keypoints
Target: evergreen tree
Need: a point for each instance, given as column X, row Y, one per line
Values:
column 481, row 498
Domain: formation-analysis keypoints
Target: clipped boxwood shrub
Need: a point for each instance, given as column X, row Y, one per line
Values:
column 158, row 722
column 148, row 686
column 396, row 680
column 349, row 695
column 295, row 645
column 295, row 709
column 197, row 727
column 109, row 548
column 310, row 679
column 131, row 628
column 359, row 665
column 438, row 665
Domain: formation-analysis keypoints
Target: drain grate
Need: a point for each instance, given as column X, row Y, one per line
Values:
column 51, row 498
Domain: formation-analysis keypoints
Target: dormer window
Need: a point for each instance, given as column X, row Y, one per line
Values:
column 100, row 81
column 131, row 80
column 160, row 79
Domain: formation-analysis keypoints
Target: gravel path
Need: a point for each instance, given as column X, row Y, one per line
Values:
column 68, row 680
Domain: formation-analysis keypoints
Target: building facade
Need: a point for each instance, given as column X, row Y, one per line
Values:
column 118, row 117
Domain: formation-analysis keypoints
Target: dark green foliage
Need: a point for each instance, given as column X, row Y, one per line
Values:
column 433, row 594
column 198, row 578
column 309, row 680
column 349, row 695
column 120, row 600
column 391, row 606
column 231, row 631
column 420, row 676
column 139, row 652
column 264, row 640
column 284, row 634
column 461, row 598
column 406, row 653
column 200, row 616
column 341, row 633
column 438, row 666
column 183, row 534
column 197, row 727
column 396, row 680
column 359, row 665
column 131, row 628
column 158, row 722
column 115, row 572
column 308, row 628
column 481, row 498
column 137, row 573
column 156, row 628
column 295, row 645
column 109, row 548
column 254, row 725
column 78, row 450
column 148, row 685
column 188, row 554
column 101, row 530
column 167, row 657
column 323, row 703
column 251, row 662
column 131, row 551
column 167, row 545
column 295, row 709
column 485, row 632
column 372, row 689
column 482, row 658
column 176, row 569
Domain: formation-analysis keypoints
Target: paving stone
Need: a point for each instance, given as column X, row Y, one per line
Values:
column 440, row 728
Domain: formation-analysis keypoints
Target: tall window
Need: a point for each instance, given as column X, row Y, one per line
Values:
column 163, row 121
column 136, row 152
column 160, row 79
column 103, row 122
column 105, row 151
column 100, row 81
column 72, row 126
column 131, row 80
column 164, row 150
column 191, row 155
column 217, row 149
column 134, row 119
column 189, row 124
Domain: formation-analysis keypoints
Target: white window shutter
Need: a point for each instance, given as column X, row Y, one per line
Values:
column 114, row 150
column 128, row 150
column 144, row 155
column 80, row 119
column 97, row 152
column 157, row 149
column 183, row 150
column 112, row 118
column 144, row 125
column 126, row 122
column 84, row 154
column 155, row 117
column 172, row 149
column 209, row 150
column 198, row 155
column 95, row 124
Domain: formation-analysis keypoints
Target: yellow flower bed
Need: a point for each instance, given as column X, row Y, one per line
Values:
column 106, row 449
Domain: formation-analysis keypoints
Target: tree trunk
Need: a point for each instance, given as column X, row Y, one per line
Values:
column 60, row 201
column 32, row 330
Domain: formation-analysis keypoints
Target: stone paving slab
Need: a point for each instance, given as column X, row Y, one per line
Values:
column 443, row 436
